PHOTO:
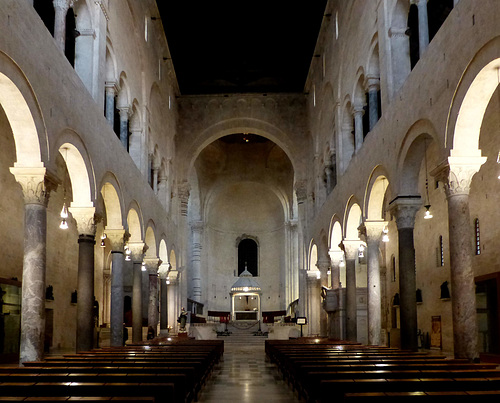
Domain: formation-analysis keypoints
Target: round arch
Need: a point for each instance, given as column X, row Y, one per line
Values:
column 113, row 203
column 335, row 234
column 352, row 219
column 375, row 194
column 134, row 223
column 313, row 255
column 152, row 251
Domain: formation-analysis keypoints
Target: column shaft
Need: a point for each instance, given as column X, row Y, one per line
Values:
column 163, row 306
column 61, row 9
column 373, row 112
column 374, row 295
column 358, row 128
column 197, row 232
column 423, row 26
column 33, row 289
column 117, row 296
column 110, row 105
column 137, row 302
column 84, row 309
column 124, row 127
column 462, row 278
column 351, row 309
column 153, row 301
column 407, row 289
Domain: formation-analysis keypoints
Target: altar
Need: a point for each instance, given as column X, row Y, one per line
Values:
column 246, row 298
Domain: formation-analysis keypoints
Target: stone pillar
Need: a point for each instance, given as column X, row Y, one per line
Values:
column 423, row 25
column 351, row 248
column 110, row 102
column 124, row 111
column 334, row 331
column 323, row 266
column 404, row 209
column 152, row 267
column 162, row 190
column 463, row 298
column 156, row 169
column 116, row 239
column 61, row 8
column 358, row 113
column 137, row 249
column 84, row 217
column 301, row 194
column 172, row 304
column 36, row 193
column 373, row 112
column 314, row 301
column 163, row 306
column 197, row 234
column 329, row 178
column 373, row 237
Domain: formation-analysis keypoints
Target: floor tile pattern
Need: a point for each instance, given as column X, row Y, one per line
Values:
column 244, row 376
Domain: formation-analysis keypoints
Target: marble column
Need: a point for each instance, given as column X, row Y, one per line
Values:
column 116, row 239
column 197, row 234
column 84, row 217
column 110, row 102
column 323, row 265
column 463, row 297
column 405, row 209
column 373, row 112
column 36, row 191
column 373, row 237
column 358, row 113
column 423, row 25
column 124, row 114
column 61, row 8
column 137, row 249
column 152, row 265
column 351, row 248
column 163, row 306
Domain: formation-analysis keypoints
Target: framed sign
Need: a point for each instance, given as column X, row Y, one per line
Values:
column 302, row 321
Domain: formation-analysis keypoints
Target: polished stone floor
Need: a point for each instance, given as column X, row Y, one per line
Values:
column 244, row 376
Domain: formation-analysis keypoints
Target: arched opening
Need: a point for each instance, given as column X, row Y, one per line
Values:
column 413, row 33
column 248, row 257
column 437, row 12
column 45, row 9
column 71, row 34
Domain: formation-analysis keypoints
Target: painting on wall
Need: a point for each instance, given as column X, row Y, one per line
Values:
column 436, row 340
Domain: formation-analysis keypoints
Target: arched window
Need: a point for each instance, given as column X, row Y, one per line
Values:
column 248, row 255
column 478, row 235
column 440, row 252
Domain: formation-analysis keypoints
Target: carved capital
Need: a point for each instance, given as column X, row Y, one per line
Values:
column 111, row 88
column 373, row 82
column 374, row 230
column 351, row 248
column 197, row 226
column 457, row 175
column 35, row 184
column 137, row 251
column 152, row 265
column 116, row 238
column 323, row 265
column 85, row 219
column 336, row 256
column 397, row 32
column 301, row 191
column 62, row 5
column 404, row 209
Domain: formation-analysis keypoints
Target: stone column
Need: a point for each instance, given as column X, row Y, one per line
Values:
column 423, row 25
column 373, row 112
column 162, row 190
column 373, row 237
column 329, row 178
column 84, row 217
column 156, row 169
column 110, row 102
column 163, row 306
column 334, row 331
column 36, row 193
column 314, row 301
column 172, row 305
column 197, row 234
column 323, row 266
column 124, row 112
column 137, row 249
column 116, row 239
column 457, row 186
column 301, row 194
column 358, row 113
column 404, row 209
column 351, row 248
column 152, row 267
column 61, row 8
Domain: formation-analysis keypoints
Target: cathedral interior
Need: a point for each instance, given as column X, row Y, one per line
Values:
column 327, row 170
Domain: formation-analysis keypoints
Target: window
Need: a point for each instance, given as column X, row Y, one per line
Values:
column 393, row 268
column 248, row 256
column 478, row 239
column 440, row 252
column 336, row 25
column 146, row 28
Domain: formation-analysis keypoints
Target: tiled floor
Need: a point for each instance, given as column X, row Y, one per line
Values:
column 244, row 376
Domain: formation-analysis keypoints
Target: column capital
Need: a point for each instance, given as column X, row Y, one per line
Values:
column 358, row 110
column 117, row 238
column 63, row 5
column 397, row 32
column 372, row 82
column 323, row 264
column 164, row 269
column 301, row 191
column 197, row 226
column 111, row 87
column 418, row 2
column 336, row 256
column 404, row 209
column 124, row 112
column 456, row 173
column 36, row 185
column 374, row 230
column 137, row 251
column 351, row 248
column 152, row 265
column 85, row 219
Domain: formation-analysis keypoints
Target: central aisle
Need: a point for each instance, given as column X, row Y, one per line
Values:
column 244, row 376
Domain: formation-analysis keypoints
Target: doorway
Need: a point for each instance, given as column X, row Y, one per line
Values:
column 487, row 305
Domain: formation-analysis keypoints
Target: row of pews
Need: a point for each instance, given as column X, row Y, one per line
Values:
column 171, row 371
column 326, row 371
